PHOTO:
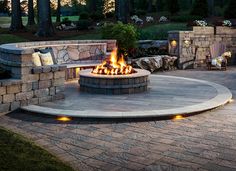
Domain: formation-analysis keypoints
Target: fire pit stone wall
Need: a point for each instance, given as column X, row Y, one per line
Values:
column 114, row 84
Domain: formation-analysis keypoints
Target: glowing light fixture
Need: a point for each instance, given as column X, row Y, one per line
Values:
column 178, row 117
column 231, row 100
column 173, row 43
column 64, row 119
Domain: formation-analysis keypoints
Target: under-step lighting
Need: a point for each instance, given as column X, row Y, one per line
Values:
column 231, row 100
column 178, row 117
column 64, row 119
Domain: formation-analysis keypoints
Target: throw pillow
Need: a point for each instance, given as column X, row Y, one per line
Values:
column 46, row 58
column 36, row 59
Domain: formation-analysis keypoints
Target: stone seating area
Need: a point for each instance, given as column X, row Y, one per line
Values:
column 30, row 84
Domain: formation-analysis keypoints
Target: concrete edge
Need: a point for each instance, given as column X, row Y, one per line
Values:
column 223, row 97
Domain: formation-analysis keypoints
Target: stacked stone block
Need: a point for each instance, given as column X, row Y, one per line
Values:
column 30, row 84
column 201, row 39
column 46, row 86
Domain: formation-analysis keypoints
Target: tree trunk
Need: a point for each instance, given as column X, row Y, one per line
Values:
column 131, row 7
column 117, row 9
column 211, row 7
column 93, row 5
column 122, row 10
column 149, row 6
column 16, row 20
column 31, row 13
column 45, row 22
column 58, row 11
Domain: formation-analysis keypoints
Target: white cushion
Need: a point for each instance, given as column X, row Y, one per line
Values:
column 36, row 59
column 46, row 58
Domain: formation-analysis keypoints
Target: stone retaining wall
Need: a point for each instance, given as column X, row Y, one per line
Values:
column 45, row 84
column 30, row 84
column 193, row 46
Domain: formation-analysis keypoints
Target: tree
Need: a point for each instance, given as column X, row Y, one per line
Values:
column 31, row 13
column 173, row 6
column 122, row 10
column 58, row 11
column 200, row 8
column 211, row 6
column 159, row 5
column 92, row 5
column 16, row 20
column 149, row 6
column 230, row 11
column 4, row 6
column 45, row 21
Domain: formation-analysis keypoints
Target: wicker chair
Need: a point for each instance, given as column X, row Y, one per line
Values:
column 216, row 50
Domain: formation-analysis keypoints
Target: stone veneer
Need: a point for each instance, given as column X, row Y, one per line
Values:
column 114, row 84
column 30, row 84
column 200, row 39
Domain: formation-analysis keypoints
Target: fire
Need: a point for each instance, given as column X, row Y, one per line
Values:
column 114, row 65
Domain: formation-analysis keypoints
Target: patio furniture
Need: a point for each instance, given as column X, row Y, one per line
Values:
column 216, row 53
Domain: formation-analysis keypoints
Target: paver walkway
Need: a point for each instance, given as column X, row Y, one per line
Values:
column 201, row 142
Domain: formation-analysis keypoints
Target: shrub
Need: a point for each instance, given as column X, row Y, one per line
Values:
column 83, row 24
column 219, row 11
column 200, row 8
column 230, row 11
column 110, row 14
column 140, row 13
column 66, row 21
column 185, row 18
column 125, row 34
column 173, row 6
column 97, row 16
column 84, row 16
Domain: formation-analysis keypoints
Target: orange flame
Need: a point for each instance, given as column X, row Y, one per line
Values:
column 114, row 65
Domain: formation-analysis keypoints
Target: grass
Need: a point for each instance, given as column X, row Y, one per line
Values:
column 160, row 31
column 7, row 20
column 10, row 38
column 17, row 153
column 153, row 32
column 89, row 36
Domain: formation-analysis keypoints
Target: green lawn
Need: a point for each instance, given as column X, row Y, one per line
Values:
column 7, row 20
column 10, row 38
column 160, row 31
column 153, row 32
column 17, row 153
column 89, row 36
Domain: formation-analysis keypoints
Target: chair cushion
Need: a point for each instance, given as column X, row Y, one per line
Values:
column 36, row 59
column 46, row 58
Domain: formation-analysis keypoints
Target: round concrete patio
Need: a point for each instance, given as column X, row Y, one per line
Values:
column 167, row 96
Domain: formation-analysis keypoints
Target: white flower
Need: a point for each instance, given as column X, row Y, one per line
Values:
column 134, row 17
column 227, row 23
column 149, row 19
column 163, row 19
column 137, row 20
column 201, row 23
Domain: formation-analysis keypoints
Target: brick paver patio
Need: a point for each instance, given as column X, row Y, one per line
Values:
column 201, row 142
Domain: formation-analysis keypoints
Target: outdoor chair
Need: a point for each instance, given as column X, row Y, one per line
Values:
column 217, row 50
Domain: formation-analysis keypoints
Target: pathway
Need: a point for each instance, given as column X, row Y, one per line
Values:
column 202, row 142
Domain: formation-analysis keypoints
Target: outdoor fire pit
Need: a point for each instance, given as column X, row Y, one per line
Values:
column 114, row 76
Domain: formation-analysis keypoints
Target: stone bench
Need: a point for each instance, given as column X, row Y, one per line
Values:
column 34, row 85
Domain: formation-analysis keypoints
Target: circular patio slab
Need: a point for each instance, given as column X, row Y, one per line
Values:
column 166, row 96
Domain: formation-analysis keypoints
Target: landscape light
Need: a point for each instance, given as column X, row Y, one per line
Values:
column 178, row 117
column 173, row 43
column 64, row 119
